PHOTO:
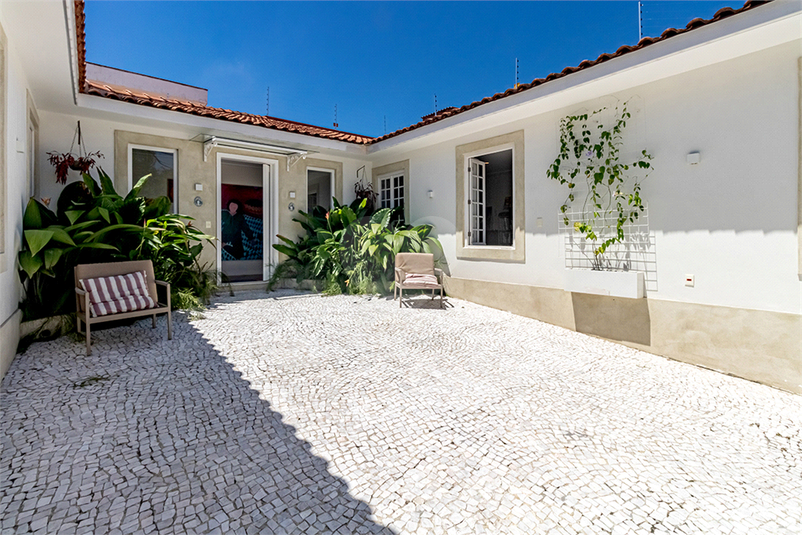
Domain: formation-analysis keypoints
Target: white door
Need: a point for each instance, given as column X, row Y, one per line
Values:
column 267, row 219
column 476, row 202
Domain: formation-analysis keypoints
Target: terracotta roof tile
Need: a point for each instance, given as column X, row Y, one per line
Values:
column 127, row 95
column 722, row 13
column 92, row 87
column 80, row 31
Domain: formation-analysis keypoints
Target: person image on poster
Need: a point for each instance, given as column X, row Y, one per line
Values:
column 233, row 227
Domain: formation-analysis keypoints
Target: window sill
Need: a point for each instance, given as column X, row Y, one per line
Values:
column 503, row 253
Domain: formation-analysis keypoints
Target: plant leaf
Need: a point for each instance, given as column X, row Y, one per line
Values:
column 37, row 239
column 52, row 257
column 62, row 236
column 30, row 264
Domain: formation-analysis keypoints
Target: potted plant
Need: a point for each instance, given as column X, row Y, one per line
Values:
column 364, row 190
column 82, row 162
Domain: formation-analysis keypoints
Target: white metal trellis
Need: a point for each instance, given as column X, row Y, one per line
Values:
column 635, row 253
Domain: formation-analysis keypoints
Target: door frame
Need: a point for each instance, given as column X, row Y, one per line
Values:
column 269, row 209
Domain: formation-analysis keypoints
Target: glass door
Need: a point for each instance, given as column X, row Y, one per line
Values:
column 242, row 218
column 476, row 202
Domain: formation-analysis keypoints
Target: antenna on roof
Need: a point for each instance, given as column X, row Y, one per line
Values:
column 336, row 124
column 267, row 104
column 385, row 124
column 640, row 21
column 516, row 74
column 435, row 103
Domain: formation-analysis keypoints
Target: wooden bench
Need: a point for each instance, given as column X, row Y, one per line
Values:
column 82, row 297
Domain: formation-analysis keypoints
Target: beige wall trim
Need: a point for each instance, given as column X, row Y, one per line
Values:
column 799, row 173
column 393, row 168
column 337, row 167
column 193, row 169
column 757, row 345
column 516, row 253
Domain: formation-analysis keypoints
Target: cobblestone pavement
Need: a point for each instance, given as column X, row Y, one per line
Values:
column 297, row 413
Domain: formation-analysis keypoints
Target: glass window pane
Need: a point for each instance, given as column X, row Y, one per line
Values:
column 160, row 166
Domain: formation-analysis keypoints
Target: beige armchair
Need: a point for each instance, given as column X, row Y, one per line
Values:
column 416, row 271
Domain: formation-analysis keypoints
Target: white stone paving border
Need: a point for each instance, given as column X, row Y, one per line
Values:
column 300, row 413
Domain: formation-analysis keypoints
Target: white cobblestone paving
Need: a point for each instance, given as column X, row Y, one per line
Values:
column 298, row 413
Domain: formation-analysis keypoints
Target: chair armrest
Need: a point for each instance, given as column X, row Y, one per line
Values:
column 439, row 274
column 166, row 285
column 399, row 275
column 85, row 295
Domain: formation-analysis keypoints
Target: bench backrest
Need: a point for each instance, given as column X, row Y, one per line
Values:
column 90, row 271
column 419, row 263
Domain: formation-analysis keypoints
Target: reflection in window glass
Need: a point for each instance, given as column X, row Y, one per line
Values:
column 161, row 167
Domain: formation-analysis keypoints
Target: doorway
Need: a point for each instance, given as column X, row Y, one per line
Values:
column 243, row 224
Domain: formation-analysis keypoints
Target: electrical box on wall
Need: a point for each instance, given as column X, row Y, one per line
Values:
column 690, row 280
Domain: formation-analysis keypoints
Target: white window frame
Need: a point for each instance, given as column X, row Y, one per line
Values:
column 332, row 174
column 393, row 191
column 475, row 155
column 174, row 152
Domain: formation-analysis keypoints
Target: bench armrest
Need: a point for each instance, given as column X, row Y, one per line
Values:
column 80, row 291
column 166, row 285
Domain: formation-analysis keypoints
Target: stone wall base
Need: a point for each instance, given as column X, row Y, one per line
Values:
column 758, row 345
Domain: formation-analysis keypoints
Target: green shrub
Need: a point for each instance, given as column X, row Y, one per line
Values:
column 95, row 224
column 352, row 256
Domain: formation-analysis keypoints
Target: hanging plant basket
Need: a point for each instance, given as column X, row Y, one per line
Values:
column 81, row 162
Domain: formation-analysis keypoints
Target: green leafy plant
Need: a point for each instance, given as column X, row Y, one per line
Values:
column 612, row 187
column 378, row 242
column 95, row 224
column 348, row 255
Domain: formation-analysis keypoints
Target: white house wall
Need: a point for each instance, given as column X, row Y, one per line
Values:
column 730, row 221
column 111, row 137
column 15, row 180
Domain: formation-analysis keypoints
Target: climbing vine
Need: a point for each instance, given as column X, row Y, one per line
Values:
column 591, row 154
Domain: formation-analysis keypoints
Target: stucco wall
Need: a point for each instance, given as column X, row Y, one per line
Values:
column 13, row 168
column 113, row 137
column 731, row 220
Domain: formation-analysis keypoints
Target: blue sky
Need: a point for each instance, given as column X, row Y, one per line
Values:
column 371, row 59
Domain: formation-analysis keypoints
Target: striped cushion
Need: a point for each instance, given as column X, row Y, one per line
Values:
column 118, row 293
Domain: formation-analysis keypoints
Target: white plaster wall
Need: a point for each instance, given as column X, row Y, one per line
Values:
column 56, row 131
column 731, row 221
column 16, row 189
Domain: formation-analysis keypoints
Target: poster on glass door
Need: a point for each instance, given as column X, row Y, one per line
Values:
column 242, row 222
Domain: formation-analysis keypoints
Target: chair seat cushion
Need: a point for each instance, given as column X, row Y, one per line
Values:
column 118, row 293
column 421, row 280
